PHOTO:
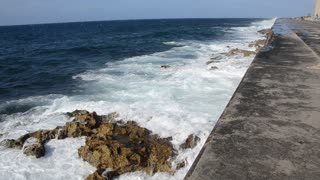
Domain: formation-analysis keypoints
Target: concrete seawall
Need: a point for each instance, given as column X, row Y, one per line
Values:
column 271, row 126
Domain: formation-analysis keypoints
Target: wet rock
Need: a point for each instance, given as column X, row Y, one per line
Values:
column 111, row 117
column 209, row 62
column 237, row 51
column 82, row 124
column 60, row 133
column 44, row 135
column 165, row 66
column 102, row 175
column 216, row 58
column 33, row 148
column 11, row 143
column 258, row 44
column 127, row 147
column 112, row 146
column 190, row 142
column 95, row 176
column 181, row 165
column 264, row 31
column 213, row 68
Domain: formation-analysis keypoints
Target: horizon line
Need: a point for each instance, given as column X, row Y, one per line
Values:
column 110, row 20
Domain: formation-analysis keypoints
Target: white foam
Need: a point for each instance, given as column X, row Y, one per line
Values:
column 60, row 162
column 186, row 98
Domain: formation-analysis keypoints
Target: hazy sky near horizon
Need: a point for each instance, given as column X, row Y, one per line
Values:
column 14, row 12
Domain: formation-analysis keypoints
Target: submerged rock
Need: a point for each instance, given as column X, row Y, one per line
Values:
column 190, row 142
column 213, row 68
column 237, row 51
column 258, row 44
column 209, row 62
column 165, row 66
column 216, row 58
column 112, row 146
column 265, row 31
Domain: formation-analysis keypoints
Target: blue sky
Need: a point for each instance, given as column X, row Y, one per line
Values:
column 50, row 11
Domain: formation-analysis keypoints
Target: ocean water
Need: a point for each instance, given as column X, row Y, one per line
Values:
column 47, row 70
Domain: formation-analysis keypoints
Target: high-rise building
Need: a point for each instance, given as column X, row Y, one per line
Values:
column 317, row 9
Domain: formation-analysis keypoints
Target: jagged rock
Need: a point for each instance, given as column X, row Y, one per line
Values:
column 190, row 142
column 128, row 148
column 236, row 51
column 111, row 117
column 165, row 66
column 102, row 175
column 82, row 124
column 258, row 44
column 33, row 148
column 96, row 176
column 112, row 146
column 44, row 135
column 181, row 165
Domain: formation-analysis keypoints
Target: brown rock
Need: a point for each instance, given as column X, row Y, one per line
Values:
column 111, row 117
column 236, row 51
column 181, row 165
column 190, row 142
column 33, row 148
column 258, row 44
column 110, row 144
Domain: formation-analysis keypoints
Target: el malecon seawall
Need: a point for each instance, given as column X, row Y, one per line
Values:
column 271, row 127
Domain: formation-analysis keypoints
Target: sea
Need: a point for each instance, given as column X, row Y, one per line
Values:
column 155, row 72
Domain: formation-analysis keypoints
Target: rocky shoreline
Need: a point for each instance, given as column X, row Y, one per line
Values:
column 113, row 146
column 258, row 45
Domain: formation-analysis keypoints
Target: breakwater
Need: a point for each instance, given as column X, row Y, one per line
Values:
column 271, row 128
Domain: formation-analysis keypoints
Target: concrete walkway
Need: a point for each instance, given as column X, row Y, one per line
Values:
column 271, row 127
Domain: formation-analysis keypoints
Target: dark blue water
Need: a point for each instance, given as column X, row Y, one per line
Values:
column 41, row 59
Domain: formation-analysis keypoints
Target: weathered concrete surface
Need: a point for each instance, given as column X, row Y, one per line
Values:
column 271, row 127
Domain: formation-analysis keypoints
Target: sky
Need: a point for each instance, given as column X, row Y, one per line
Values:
column 14, row 12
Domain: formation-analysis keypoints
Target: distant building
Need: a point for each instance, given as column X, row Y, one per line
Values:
column 317, row 9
